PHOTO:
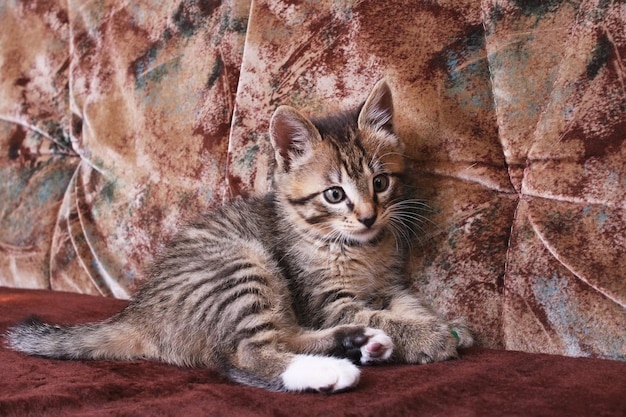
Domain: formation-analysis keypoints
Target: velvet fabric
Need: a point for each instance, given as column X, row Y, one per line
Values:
column 482, row 383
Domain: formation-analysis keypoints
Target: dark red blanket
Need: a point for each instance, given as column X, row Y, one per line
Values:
column 482, row 383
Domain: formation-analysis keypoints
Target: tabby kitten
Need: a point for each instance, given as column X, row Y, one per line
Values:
column 284, row 291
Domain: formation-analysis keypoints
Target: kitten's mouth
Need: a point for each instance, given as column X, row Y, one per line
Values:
column 365, row 235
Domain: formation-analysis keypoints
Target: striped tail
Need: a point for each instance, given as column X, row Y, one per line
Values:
column 104, row 340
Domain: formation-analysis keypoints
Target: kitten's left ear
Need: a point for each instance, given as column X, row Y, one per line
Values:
column 292, row 136
column 377, row 112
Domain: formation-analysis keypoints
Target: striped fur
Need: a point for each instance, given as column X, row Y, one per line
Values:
column 287, row 290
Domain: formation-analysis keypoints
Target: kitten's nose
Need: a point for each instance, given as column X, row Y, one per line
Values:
column 368, row 221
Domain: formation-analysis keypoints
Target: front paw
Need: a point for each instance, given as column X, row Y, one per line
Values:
column 364, row 345
column 378, row 348
column 431, row 343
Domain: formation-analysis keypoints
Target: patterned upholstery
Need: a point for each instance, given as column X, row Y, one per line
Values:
column 120, row 120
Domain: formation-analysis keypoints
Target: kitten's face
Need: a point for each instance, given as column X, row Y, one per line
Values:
column 338, row 178
column 346, row 188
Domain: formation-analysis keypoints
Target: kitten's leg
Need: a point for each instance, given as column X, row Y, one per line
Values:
column 420, row 336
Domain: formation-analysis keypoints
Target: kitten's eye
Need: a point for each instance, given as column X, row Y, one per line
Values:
column 381, row 183
column 334, row 195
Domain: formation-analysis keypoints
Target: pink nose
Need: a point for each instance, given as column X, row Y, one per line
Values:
column 368, row 221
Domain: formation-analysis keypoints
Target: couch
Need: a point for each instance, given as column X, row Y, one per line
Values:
column 119, row 121
column 483, row 382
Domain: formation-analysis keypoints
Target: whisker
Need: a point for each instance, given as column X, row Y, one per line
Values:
column 409, row 221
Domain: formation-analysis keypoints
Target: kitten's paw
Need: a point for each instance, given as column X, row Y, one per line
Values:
column 378, row 347
column 363, row 345
column 431, row 341
column 320, row 373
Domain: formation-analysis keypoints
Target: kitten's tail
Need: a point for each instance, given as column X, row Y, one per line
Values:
column 105, row 340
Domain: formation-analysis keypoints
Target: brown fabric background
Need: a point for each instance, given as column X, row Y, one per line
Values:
column 119, row 120
column 483, row 383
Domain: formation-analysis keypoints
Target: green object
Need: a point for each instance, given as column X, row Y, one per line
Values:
column 456, row 336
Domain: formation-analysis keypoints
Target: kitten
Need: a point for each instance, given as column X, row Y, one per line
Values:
column 287, row 290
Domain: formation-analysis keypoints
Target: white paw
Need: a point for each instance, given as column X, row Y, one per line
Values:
column 378, row 348
column 320, row 373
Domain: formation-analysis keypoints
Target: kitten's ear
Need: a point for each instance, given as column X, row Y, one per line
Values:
column 292, row 135
column 377, row 112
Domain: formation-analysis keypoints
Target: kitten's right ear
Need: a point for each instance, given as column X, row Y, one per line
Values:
column 292, row 135
column 377, row 112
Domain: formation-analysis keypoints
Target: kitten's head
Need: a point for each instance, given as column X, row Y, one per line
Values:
column 339, row 177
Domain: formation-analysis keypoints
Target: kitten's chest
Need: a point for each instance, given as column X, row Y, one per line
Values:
column 347, row 262
column 364, row 270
